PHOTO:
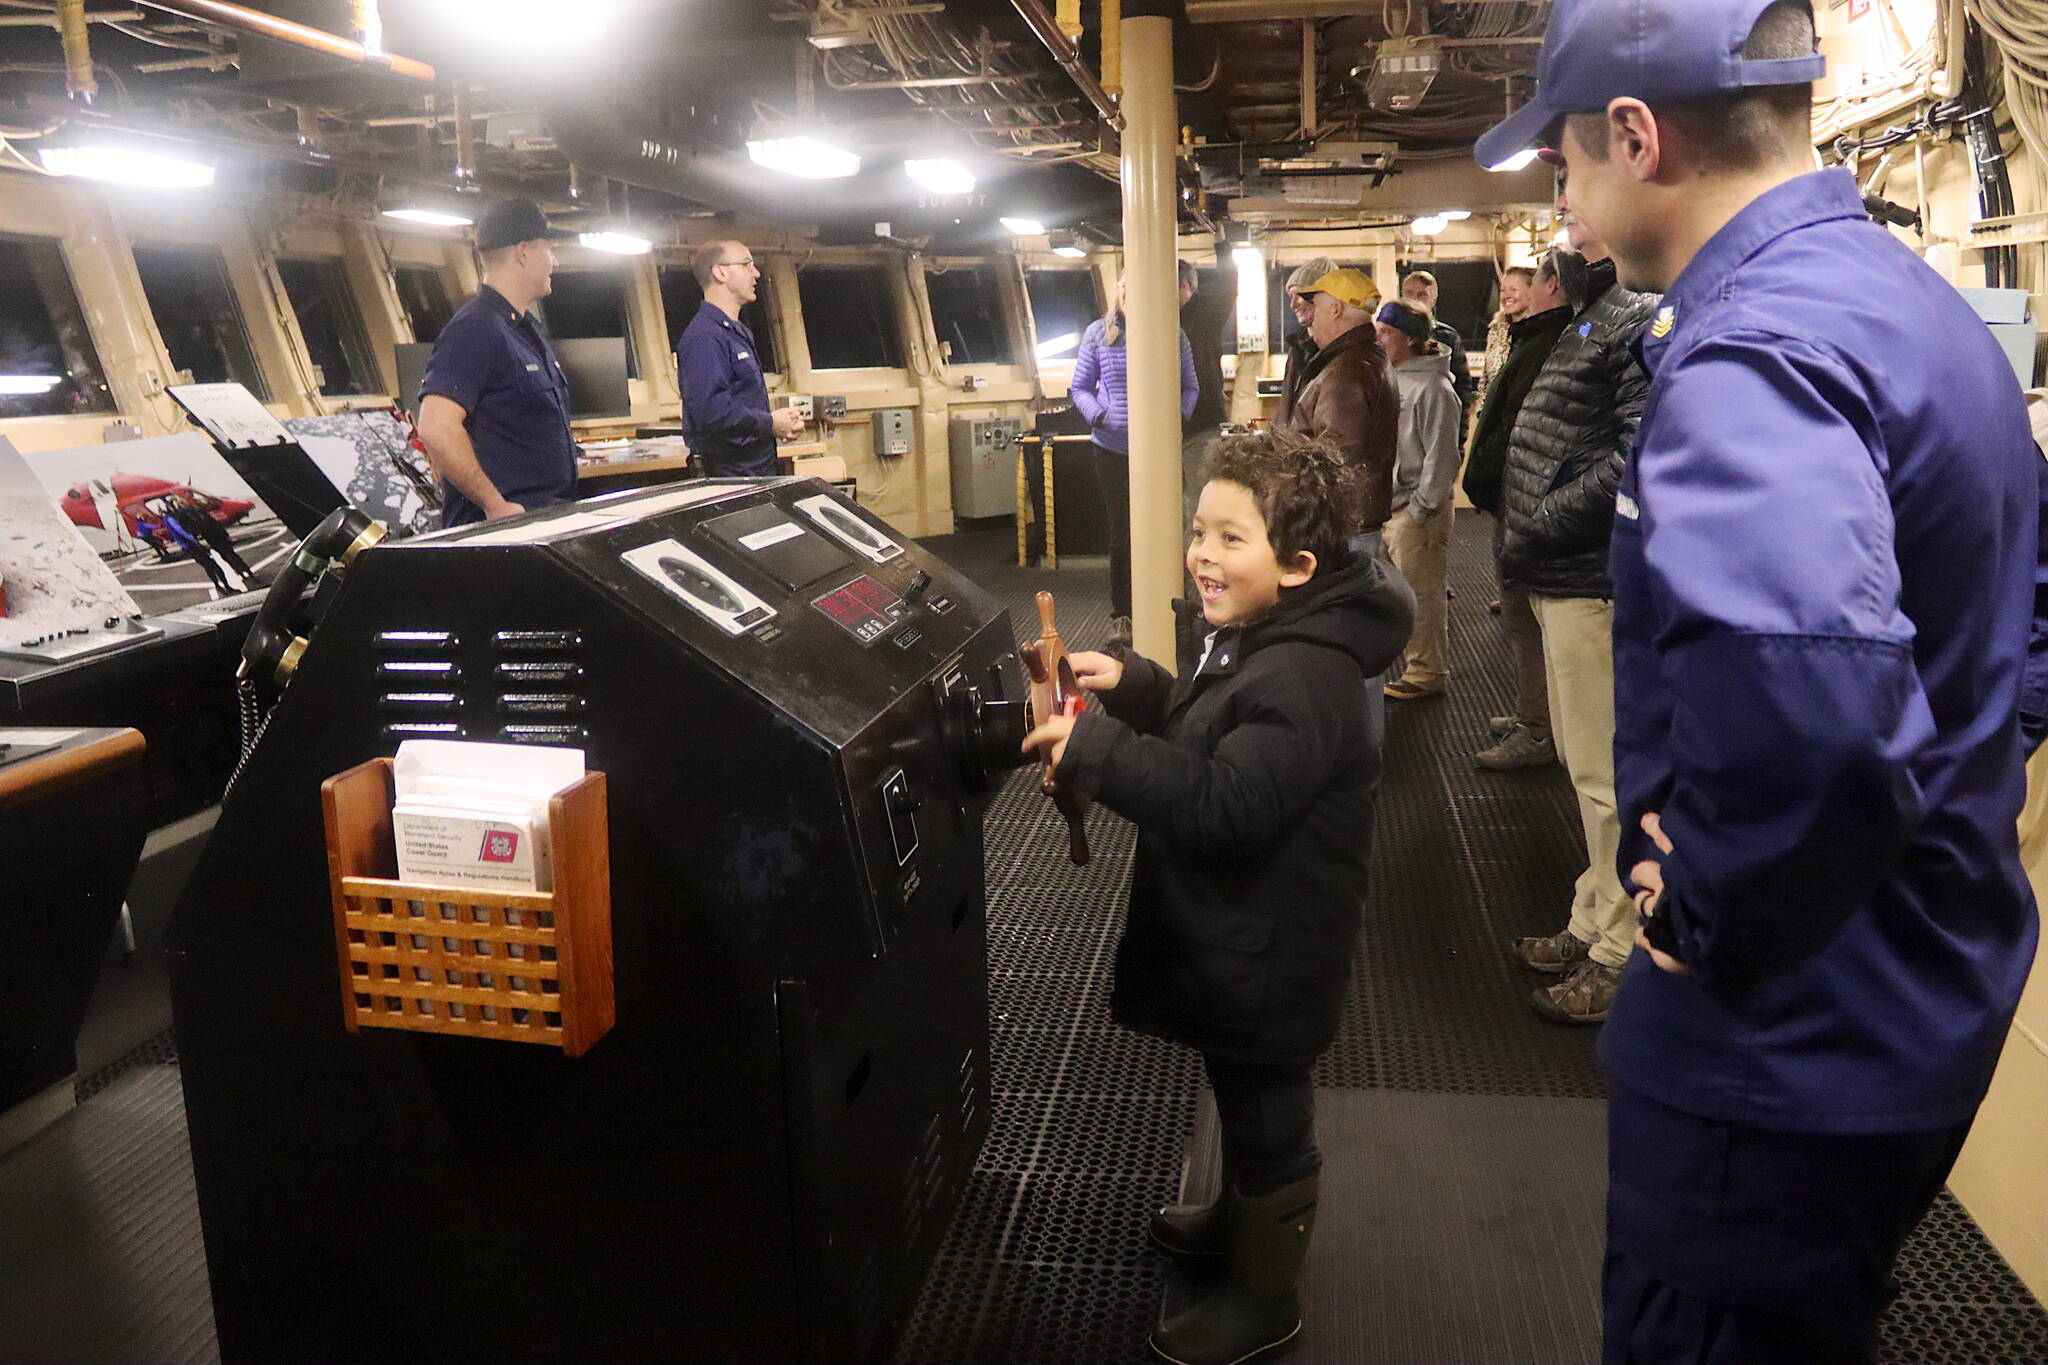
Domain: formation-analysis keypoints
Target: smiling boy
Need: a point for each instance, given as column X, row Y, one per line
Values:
column 1251, row 781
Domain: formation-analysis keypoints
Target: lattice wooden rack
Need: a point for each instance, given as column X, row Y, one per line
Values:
column 522, row 966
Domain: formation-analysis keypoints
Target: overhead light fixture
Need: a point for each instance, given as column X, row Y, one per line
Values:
column 15, row 385
column 1072, row 252
column 1400, row 73
column 1429, row 225
column 616, row 243
column 805, row 156
column 538, row 25
column 124, row 164
column 430, row 217
column 940, row 175
column 1023, row 227
column 1453, row 215
column 1515, row 162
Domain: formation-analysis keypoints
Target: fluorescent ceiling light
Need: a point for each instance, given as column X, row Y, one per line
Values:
column 29, row 383
column 1428, row 226
column 1074, row 252
column 617, row 243
column 1454, row 215
column 807, row 157
column 429, row 217
column 940, row 175
column 537, row 24
column 1515, row 162
column 126, row 166
column 1058, row 346
column 1023, row 227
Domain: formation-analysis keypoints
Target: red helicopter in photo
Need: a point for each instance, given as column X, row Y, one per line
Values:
column 133, row 498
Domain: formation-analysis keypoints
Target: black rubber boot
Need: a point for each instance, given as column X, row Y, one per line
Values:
column 1252, row 1313
column 1193, row 1230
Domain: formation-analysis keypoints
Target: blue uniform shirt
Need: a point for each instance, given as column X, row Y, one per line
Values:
column 495, row 363
column 1824, row 566
column 726, row 419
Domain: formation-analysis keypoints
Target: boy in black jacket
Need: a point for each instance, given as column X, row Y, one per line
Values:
column 1251, row 781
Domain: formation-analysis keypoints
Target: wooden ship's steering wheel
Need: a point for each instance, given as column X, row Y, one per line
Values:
column 1056, row 692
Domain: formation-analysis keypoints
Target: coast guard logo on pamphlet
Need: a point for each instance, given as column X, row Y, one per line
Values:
column 1626, row 505
column 1666, row 319
column 500, row 846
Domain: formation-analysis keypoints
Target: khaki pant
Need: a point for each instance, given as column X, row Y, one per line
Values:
column 1421, row 550
column 1578, row 651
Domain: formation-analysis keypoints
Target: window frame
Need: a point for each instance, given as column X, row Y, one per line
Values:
column 635, row 370
column 1007, row 332
column 439, row 274
column 1094, row 279
column 892, row 319
column 260, row 388
column 353, row 328
column 93, row 385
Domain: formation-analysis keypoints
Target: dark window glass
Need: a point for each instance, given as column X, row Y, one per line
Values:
column 47, row 363
column 1215, row 298
column 967, row 310
column 588, row 304
column 680, row 299
column 850, row 317
column 424, row 293
column 1464, row 296
column 332, row 326
column 1063, row 303
column 196, row 314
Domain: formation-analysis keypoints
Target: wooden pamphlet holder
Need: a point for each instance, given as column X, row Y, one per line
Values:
column 523, row 966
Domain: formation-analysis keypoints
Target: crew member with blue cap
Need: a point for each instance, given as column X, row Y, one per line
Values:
column 1824, row 563
column 494, row 405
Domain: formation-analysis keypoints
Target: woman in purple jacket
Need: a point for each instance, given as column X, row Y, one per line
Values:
column 1100, row 394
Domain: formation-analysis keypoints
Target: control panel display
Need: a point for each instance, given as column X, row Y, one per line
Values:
column 863, row 609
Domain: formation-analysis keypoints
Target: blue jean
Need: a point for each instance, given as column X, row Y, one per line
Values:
column 1367, row 543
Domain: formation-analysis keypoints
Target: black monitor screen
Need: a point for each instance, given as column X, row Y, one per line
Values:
column 596, row 367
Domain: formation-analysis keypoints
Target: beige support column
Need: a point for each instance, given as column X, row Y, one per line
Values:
column 367, row 265
column 1152, row 310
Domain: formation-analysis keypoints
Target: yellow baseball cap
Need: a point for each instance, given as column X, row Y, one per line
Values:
column 1354, row 287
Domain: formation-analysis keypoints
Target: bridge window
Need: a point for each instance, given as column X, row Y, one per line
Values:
column 197, row 316
column 850, row 317
column 332, row 326
column 588, row 304
column 1063, row 303
column 967, row 311
column 48, row 366
column 423, row 291
column 681, row 297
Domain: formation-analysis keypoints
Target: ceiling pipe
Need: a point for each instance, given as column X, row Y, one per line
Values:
column 79, row 82
column 1064, row 52
column 240, row 19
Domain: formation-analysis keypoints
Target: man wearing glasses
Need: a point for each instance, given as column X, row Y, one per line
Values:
column 726, row 418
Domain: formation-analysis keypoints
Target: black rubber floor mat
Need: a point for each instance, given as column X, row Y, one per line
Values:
column 1451, row 1228
column 101, row 1261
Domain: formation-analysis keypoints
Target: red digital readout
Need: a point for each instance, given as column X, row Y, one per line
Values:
column 863, row 607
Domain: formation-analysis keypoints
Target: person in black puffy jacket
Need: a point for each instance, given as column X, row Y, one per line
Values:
column 1252, row 790
column 1565, row 459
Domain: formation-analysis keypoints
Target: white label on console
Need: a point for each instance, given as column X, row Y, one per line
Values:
column 773, row 535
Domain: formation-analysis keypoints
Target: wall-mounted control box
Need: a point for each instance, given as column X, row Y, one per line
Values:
column 893, row 432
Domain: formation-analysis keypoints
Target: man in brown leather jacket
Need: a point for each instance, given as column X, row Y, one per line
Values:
column 1347, row 400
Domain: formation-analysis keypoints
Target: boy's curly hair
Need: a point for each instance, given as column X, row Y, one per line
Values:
column 1311, row 498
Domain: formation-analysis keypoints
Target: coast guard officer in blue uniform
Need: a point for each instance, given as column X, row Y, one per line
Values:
column 494, row 406
column 726, row 421
column 1824, row 562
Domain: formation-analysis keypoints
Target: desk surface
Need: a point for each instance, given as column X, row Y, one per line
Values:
column 79, row 754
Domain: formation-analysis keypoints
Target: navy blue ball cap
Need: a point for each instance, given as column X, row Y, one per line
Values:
column 1598, row 51
column 513, row 221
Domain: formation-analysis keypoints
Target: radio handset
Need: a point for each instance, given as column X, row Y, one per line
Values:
column 271, row 651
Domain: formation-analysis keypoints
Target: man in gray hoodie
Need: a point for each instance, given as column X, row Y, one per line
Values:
column 1418, row 534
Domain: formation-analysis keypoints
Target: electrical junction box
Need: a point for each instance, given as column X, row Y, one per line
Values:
column 800, row 401
column 831, row 405
column 985, row 465
column 892, row 432
column 2005, row 312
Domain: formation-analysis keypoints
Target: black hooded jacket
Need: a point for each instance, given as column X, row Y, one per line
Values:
column 1251, row 783
column 1572, row 439
column 1529, row 343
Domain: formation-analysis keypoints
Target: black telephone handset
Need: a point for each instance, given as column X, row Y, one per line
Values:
column 272, row 651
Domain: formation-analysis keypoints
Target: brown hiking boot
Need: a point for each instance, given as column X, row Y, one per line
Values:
column 1584, row 997
column 1559, row 952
